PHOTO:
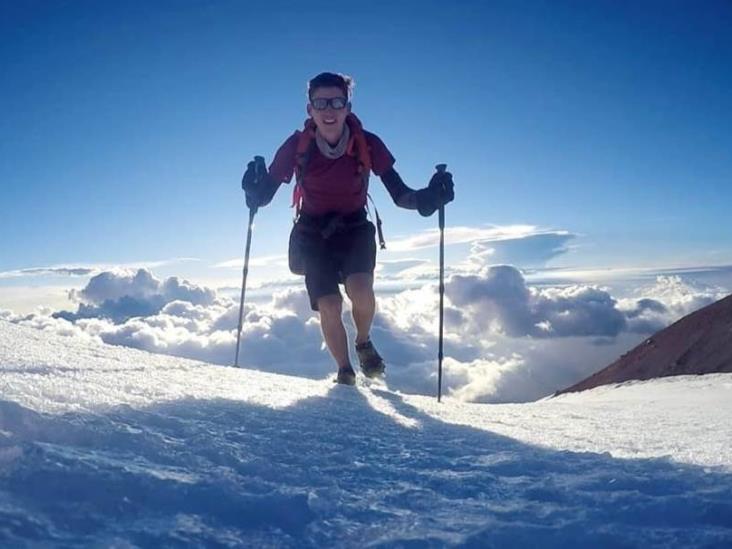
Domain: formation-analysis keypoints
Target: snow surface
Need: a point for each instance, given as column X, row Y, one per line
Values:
column 113, row 447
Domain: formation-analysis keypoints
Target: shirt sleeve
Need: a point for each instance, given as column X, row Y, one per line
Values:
column 381, row 158
column 402, row 195
column 283, row 164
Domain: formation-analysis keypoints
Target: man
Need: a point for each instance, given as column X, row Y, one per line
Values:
column 332, row 241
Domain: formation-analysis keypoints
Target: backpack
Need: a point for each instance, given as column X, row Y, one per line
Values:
column 357, row 147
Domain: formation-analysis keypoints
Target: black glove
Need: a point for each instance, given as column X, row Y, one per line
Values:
column 439, row 192
column 253, row 183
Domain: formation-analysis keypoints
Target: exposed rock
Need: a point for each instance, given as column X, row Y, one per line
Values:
column 699, row 343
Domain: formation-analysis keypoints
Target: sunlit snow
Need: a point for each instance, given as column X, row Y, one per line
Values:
column 110, row 446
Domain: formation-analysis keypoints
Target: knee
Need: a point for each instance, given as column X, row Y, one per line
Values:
column 360, row 287
column 330, row 306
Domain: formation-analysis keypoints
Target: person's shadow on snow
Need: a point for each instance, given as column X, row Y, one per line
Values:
column 356, row 466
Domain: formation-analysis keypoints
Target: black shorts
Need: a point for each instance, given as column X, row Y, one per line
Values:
column 330, row 259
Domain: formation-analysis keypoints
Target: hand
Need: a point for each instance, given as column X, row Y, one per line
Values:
column 444, row 188
column 439, row 192
column 252, row 182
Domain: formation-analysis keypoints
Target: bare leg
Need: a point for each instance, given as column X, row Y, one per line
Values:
column 331, row 323
column 360, row 290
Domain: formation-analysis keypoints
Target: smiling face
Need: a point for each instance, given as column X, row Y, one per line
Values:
column 329, row 121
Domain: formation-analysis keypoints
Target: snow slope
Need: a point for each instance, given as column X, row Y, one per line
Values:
column 112, row 447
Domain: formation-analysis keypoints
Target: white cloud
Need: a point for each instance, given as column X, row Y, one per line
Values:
column 518, row 370
column 81, row 270
column 534, row 250
column 278, row 260
column 638, row 275
column 295, row 301
column 462, row 235
column 48, row 271
column 682, row 296
column 123, row 294
column 44, row 321
column 140, row 284
column 668, row 299
column 504, row 340
column 480, row 379
column 398, row 267
column 499, row 301
column 525, row 246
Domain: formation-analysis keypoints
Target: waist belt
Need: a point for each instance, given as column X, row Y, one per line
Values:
column 329, row 224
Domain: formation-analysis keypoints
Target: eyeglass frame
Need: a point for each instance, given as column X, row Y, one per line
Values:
column 329, row 102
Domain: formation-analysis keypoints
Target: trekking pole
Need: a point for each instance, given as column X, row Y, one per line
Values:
column 258, row 164
column 441, row 168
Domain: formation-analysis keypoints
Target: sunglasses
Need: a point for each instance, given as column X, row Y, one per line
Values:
column 321, row 103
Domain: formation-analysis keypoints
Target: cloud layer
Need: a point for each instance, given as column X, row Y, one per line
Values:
column 505, row 340
column 121, row 295
column 500, row 301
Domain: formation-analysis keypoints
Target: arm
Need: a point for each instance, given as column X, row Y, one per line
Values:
column 403, row 196
column 426, row 200
column 261, row 184
column 259, row 191
column 267, row 189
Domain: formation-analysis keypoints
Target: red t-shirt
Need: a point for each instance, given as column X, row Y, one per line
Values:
column 330, row 185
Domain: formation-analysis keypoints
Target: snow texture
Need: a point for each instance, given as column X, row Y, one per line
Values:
column 107, row 446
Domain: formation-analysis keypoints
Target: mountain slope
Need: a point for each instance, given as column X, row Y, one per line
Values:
column 109, row 446
column 699, row 343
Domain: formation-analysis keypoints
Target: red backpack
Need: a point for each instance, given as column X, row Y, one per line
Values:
column 357, row 147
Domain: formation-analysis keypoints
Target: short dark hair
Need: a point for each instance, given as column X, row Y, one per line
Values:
column 331, row 80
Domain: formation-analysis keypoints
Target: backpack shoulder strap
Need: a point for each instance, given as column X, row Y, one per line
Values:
column 303, row 152
column 382, row 242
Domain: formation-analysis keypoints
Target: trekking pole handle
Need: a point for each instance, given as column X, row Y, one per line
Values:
column 260, row 168
column 441, row 168
column 259, row 165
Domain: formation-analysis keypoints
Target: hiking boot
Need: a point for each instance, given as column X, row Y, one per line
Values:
column 346, row 376
column 372, row 365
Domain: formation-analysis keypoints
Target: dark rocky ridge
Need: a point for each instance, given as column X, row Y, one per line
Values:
column 699, row 343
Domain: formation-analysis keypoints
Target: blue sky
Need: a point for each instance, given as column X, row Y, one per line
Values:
column 126, row 125
column 589, row 143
